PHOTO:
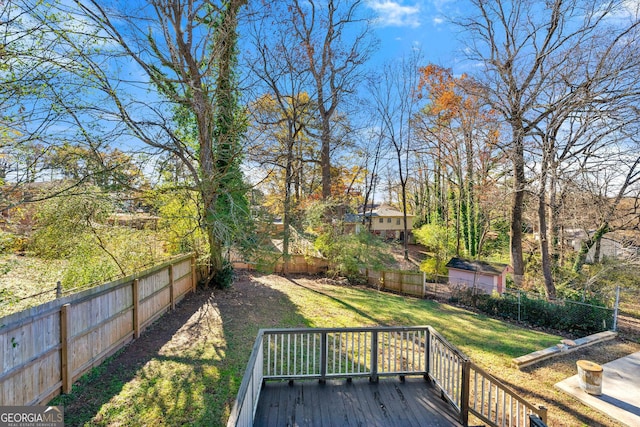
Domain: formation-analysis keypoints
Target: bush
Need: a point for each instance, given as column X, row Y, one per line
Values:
column 567, row 315
column 348, row 253
column 223, row 278
column 431, row 267
column 11, row 243
column 76, row 228
column 439, row 241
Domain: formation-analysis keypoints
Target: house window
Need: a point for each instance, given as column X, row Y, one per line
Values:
column 389, row 220
column 398, row 221
column 381, row 220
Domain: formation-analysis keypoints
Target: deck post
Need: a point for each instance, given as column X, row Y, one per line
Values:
column 427, row 354
column 374, row 357
column 464, row 392
column 323, row 356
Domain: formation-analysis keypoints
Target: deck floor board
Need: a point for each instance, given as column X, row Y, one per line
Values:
column 338, row 403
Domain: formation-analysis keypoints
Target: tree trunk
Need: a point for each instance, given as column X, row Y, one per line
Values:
column 587, row 244
column 548, row 148
column 286, row 220
column 597, row 256
column 517, row 206
column 472, row 214
column 554, row 219
column 325, row 158
column 549, row 285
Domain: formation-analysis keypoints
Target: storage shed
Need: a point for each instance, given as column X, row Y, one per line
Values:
column 488, row 277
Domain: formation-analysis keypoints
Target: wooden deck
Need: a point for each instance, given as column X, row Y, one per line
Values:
column 339, row 403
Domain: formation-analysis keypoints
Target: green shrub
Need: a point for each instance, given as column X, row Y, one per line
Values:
column 348, row 253
column 179, row 214
column 76, row 228
column 223, row 278
column 567, row 315
column 11, row 243
column 432, row 269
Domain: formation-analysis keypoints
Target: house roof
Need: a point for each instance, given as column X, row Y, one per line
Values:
column 476, row 266
column 383, row 210
column 350, row 217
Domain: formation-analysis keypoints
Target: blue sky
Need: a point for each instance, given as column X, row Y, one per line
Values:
column 403, row 25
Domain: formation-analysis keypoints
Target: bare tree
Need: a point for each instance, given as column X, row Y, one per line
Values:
column 336, row 43
column 281, row 114
column 523, row 46
column 396, row 105
column 611, row 181
column 34, row 80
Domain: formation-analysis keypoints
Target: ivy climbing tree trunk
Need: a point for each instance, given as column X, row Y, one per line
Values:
column 187, row 51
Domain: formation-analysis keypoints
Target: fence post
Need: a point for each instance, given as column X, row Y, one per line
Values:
column 66, row 375
column 194, row 278
column 172, row 297
column 58, row 289
column 136, row 308
column 615, row 309
column 519, row 305
column 424, row 284
column 464, row 392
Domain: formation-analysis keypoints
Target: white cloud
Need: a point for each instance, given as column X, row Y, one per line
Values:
column 437, row 20
column 632, row 7
column 393, row 14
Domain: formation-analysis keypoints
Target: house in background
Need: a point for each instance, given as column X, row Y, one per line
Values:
column 613, row 245
column 382, row 220
column 488, row 277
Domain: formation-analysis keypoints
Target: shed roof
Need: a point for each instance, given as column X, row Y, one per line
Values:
column 476, row 266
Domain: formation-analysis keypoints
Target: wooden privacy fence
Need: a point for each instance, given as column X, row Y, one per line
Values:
column 405, row 282
column 44, row 349
column 298, row 264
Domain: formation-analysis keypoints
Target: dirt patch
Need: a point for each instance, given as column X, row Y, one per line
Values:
column 417, row 253
column 100, row 385
column 186, row 368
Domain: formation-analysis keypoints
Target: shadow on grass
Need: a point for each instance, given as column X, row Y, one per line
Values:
column 342, row 302
column 187, row 367
column 461, row 327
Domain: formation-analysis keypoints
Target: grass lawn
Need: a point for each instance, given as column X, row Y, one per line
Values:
column 23, row 276
column 187, row 368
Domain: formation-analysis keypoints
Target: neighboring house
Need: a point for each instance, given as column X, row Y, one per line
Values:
column 613, row 245
column 382, row 220
column 489, row 277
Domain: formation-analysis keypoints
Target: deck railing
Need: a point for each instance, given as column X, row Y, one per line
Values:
column 325, row 353
column 344, row 353
column 244, row 408
column 496, row 404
